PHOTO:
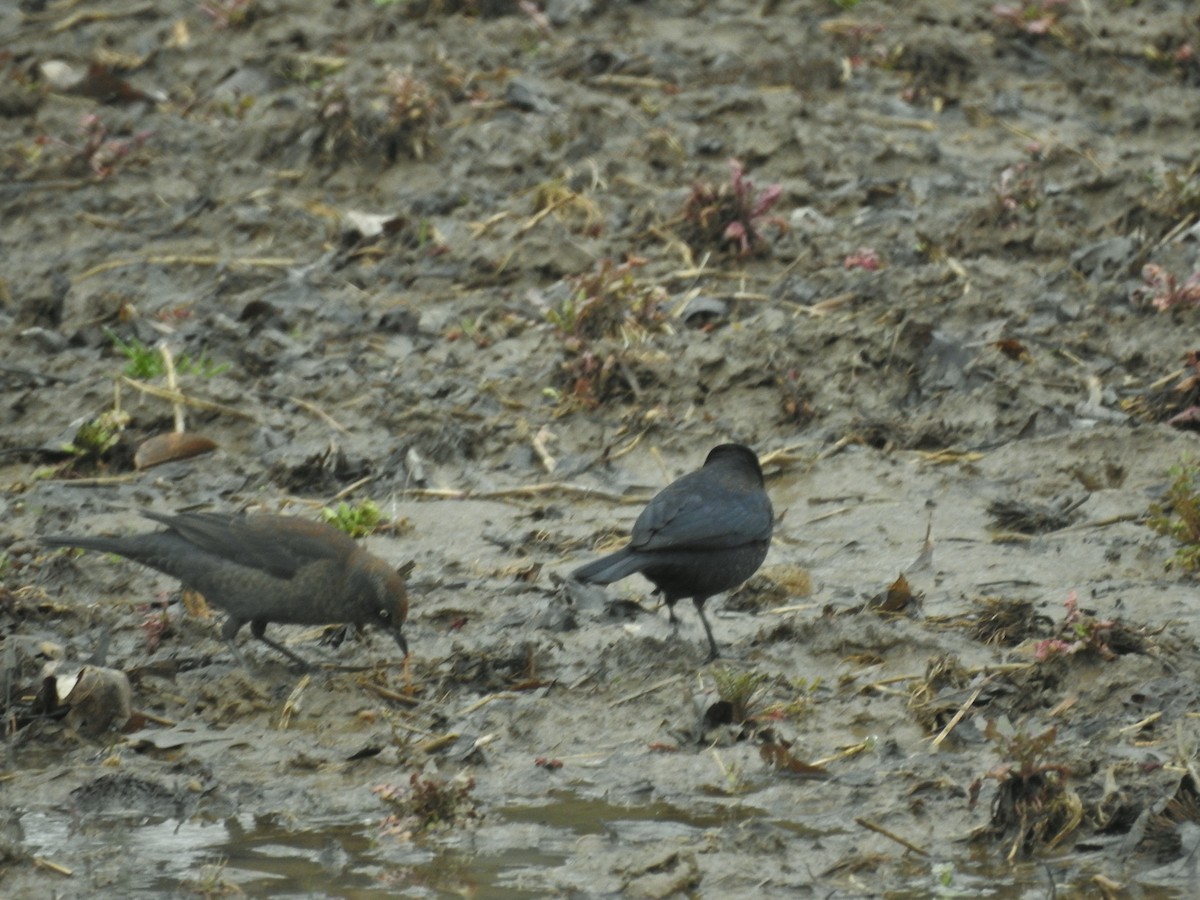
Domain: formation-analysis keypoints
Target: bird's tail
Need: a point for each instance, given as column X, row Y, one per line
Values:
column 100, row 544
column 610, row 568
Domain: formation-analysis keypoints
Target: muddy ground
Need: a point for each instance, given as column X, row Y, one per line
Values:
column 496, row 273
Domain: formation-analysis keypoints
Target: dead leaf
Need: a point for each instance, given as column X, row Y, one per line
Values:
column 164, row 448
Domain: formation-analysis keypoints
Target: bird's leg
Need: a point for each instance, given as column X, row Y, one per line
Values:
column 258, row 628
column 671, row 617
column 237, row 654
column 713, row 653
column 229, row 631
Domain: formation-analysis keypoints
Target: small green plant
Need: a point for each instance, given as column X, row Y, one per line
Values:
column 740, row 690
column 356, row 521
column 147, row 362
column 426, row 804
column 1177, row 515
column 97, row 436
column 143, row 362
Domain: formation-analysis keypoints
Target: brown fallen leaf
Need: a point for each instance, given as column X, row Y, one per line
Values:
column 164, row 448
column 896, row 598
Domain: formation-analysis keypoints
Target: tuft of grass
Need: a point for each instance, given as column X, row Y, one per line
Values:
column 740, row 690
column 144, row 363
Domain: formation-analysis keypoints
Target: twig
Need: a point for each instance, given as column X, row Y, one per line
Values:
column 157, row 720
column 644, row 691
column 543, row 436
column 388, row 694
column 1100, row 523
column 172, row 385
column 962, row 711
column 351, row 488
column 895, row 679
column 782, row 610
column 269, row 262
column 415, row 730
column 826, row 306
column 640, row 82
column 438, row 743
column 890, row 835
column 1138, row 726
column 98, row 481
column 479, row 229
column 320, row 414
column 545, row 211
column 84, row 16
column 292, row 704
column 60, row 869
column 177, row 396
column 484, row 701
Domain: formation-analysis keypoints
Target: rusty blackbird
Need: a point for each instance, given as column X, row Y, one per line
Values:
column 702, row 534
column 262, row 569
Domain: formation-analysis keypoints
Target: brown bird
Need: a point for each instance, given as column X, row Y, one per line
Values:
column 264, row 569
column 704, row 533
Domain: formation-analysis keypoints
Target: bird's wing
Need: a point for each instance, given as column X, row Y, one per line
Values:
column 682, row 517
column 279, row 550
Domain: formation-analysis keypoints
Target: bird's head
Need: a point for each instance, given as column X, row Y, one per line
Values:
column 382, row 597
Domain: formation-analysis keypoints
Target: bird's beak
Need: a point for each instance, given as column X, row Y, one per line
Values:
column 400, row 639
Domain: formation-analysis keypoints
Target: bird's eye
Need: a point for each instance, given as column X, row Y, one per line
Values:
column 384, row 614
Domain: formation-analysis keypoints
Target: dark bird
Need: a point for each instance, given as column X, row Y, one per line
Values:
column 264, row 569
column 702, row 534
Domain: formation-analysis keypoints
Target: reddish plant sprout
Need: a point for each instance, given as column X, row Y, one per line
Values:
column 155, row 626
column 426, row 804
column 228, row 13
column 535, row 15
column 1163, row 290
column 732, row 214
column 1034, row 18
column 101, row 153
column 1077, row 633
column 863, row 258
column 1018, row 188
